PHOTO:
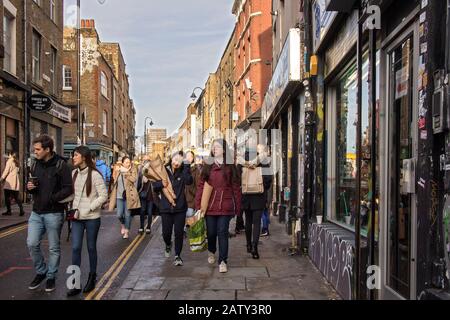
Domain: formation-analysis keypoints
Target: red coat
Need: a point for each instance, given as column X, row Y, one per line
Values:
column 225, row 199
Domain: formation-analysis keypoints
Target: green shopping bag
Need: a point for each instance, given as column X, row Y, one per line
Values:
column 197, row 235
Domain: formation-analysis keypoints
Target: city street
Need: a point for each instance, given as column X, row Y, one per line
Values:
column 115, row 257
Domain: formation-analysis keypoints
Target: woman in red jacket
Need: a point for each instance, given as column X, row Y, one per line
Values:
column 221, row 173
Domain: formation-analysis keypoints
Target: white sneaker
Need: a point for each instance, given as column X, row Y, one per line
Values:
column 178, row 261
column 167, row 251
column 211, row 258
column 125, row 235
column 223, row 267
column 122, row 230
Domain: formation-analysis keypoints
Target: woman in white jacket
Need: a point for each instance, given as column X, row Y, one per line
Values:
column 89, row 196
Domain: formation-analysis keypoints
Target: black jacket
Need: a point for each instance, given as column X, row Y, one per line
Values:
column 179, row 179
column 257, row 201
column 55, row 185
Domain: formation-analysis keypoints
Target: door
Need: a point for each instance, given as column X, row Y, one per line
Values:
column 401, row 123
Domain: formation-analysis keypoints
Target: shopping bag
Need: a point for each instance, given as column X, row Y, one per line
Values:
column 197, row 233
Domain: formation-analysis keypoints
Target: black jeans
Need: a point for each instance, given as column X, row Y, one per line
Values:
column 217, row 228
column 176, row 222
column 12, row 194
column 146, row 210
column 253, row 226
column 92, row 228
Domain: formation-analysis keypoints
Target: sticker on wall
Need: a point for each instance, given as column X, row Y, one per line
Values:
column 401, row 80
column 421, row 30
column 422, row 123
column 423, row 134
column 421, row 183
column 424, row 3
column 423, row 47
column 423, row 17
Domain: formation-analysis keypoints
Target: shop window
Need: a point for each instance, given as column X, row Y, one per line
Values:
column 344, row 122
column 12, row 136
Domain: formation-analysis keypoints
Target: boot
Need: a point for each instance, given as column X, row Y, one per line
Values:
column 249, row 248
column 90, row 285
column 255, row 254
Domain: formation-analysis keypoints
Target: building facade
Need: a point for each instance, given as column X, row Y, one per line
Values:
column 154, row 135
column 31, row 45
column 107, row 113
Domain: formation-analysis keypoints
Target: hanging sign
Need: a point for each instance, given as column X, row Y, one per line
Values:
column 40, row 103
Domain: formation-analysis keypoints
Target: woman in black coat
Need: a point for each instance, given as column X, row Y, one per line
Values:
column 174, row 217
column 254, row 205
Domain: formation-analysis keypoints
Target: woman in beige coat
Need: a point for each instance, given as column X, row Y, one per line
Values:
column 11, row 183
column 124, row 195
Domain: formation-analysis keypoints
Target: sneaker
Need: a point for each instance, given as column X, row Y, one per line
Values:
column 126, row 235
column 122, row 230
column 37, row 281
column 211, row 258
column 148, row 231
column 223, row 267
column 50, row 286
column 141, row 231
column 265, row 234
column 167, row 251
column 178, row 261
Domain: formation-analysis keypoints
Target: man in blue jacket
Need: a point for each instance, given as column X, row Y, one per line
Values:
column 103, row 168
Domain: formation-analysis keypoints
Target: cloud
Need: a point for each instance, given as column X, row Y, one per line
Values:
column 169, row 47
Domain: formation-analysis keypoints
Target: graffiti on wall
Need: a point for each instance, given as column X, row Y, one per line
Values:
column 333, row 254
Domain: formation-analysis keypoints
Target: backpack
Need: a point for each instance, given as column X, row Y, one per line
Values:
column 252, row 181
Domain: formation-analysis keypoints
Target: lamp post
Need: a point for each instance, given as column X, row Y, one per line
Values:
column 194, row 97
column 145, row 132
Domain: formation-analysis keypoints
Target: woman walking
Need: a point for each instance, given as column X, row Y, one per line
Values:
column 89, row 195
column 224, row 203
column 174, row 217
column 124, row 195
column 10, row 179
column 191, row 190
column 254, row 203
column 148, row 199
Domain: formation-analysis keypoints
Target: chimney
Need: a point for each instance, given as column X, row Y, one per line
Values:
column 83, row 23
column 89, row 24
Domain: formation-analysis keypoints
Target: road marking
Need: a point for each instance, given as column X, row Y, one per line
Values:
column 12, row 269
column 116, row 268
column 13, row 231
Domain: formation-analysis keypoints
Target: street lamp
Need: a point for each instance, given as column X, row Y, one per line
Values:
column 193, row 96
column 145, row 133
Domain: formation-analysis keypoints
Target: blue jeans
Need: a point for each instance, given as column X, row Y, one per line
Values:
column 217, row 228
column 92, row 227
column 265, row 220
column 38, row 225
column 146, row 210
column 123, row 213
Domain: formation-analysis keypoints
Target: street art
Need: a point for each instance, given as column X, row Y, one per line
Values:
column 333, row 254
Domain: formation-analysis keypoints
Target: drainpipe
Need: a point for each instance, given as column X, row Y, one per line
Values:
column 26, row 111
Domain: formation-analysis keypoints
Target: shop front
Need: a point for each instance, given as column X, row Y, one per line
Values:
column 280, row 115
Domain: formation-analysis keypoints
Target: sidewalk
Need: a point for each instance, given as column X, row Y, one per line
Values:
column 7, row 222
column 276, row 276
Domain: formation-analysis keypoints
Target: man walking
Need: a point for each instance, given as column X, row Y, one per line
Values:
column 50, row 183
column 103, row 168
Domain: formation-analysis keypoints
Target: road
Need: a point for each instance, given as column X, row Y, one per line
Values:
column 115, row 259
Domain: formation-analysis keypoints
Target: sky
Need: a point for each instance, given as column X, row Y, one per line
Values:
column 170, row 47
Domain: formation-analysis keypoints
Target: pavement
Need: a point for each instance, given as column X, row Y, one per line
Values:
column 7, row 222
column 276, row 276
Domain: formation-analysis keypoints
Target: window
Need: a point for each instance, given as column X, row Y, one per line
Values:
column 104, row 84
column 67, row 78
column 53, row 55
column 105, row 123
column 12, row 134
column 9, row 38
column 53, row 10
column 36, row 59
column 114, row 96
column 115, row 130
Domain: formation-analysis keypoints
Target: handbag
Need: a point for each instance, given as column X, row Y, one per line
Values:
column 252, row 181
column 124, row 193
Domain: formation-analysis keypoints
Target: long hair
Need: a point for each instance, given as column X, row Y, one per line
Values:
column 229, row 169
column 14, row 156
column 85, row 152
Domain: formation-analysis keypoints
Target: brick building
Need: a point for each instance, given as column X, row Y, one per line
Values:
column 253, row 54
column 107, row 112
column 31, row 41
column 154, row 135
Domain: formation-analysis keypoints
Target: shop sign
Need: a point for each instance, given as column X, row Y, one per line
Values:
column 286, row 72
column 40, row 103
column 61, row 112
column 322, row 20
